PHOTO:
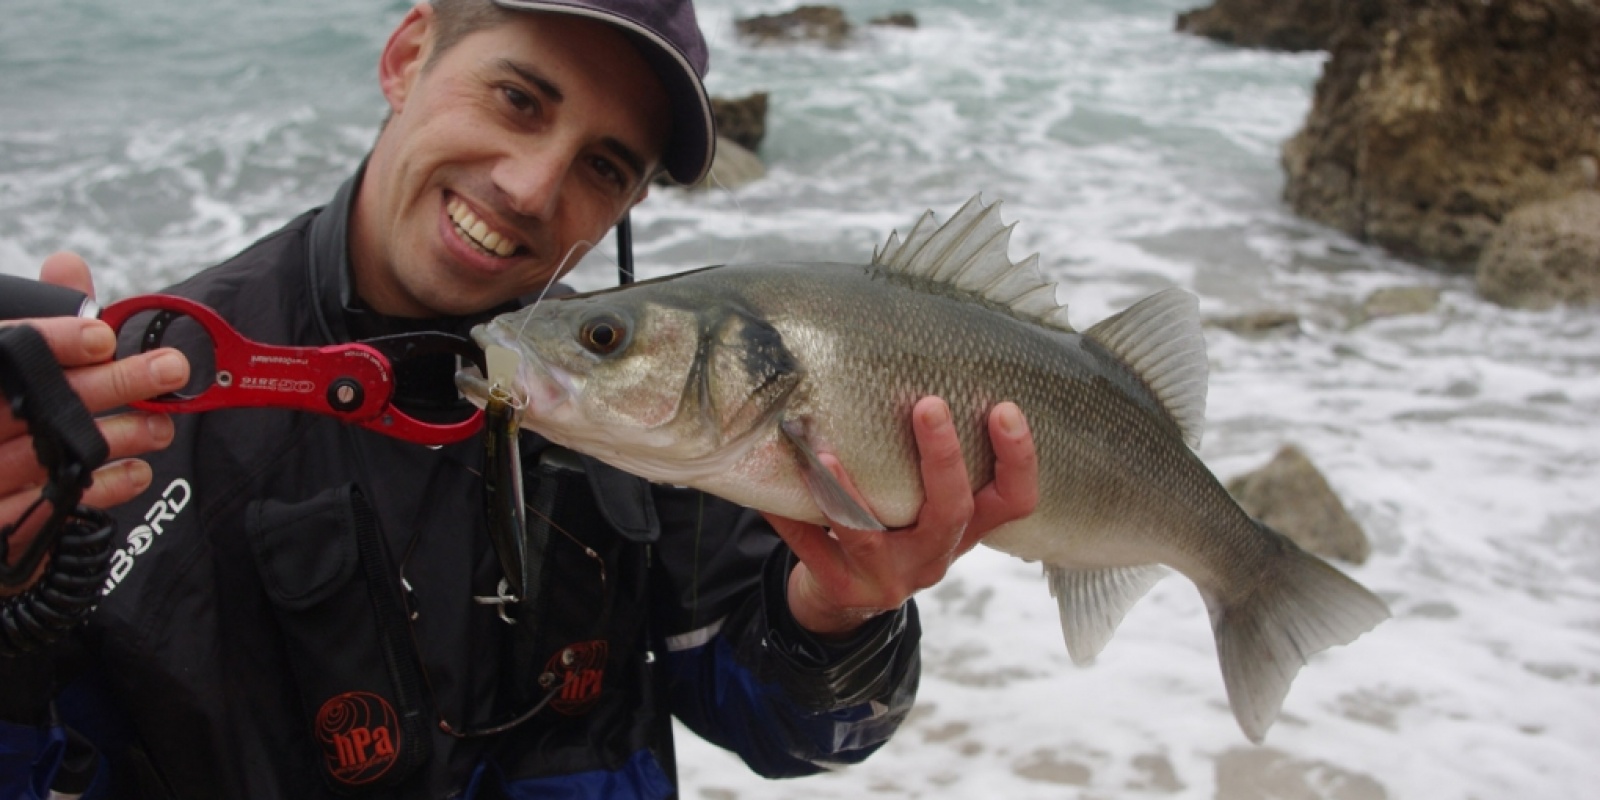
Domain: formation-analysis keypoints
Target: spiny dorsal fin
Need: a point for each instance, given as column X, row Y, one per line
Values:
column 1159, row 339
column 968, row 253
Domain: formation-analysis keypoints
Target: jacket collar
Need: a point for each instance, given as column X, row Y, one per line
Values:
column 329, row 261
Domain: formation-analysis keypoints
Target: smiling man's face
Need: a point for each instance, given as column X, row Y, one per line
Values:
column 505, row 158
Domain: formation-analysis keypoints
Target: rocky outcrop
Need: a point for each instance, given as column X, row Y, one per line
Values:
column 1398, row 301
column 742, row 119
column 741, row 125
column 1435, row 119
column 1259, row 324
column 733, row 166
column 818, row 23
column 898, row 19
column 1290, row 496
column 825, row 24
column 1272, row 24
column 1545, row 254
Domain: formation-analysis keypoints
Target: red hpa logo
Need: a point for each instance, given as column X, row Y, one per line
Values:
column 582, row 667
column 360, row 735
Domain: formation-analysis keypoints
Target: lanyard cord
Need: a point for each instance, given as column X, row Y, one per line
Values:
column 77, row 538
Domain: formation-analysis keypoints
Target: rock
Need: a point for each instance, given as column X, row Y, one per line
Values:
column 1292, row 497
column 734, row 166
column 741, row 125
column 826, row 24
column 1434, row 119
column 1259, row 324
column 1273, row 24
column 742, row 119
column 1545, row 254
column 899, row 19
column 1399, row 301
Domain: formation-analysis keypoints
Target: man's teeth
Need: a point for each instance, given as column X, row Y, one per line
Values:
column 474, row 229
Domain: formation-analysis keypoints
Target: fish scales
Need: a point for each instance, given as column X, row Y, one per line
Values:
column 733, row 379
column 972, row 357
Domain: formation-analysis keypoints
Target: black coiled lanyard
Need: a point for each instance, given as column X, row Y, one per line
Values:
column 77, row 538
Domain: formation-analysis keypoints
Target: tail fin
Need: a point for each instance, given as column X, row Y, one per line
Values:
column 1302, row 607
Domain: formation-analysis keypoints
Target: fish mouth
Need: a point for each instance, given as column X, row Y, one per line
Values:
column 517, row 375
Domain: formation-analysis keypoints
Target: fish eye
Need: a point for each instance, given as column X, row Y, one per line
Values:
column 603, row 335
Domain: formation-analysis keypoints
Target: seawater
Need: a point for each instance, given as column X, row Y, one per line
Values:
column 156, row 138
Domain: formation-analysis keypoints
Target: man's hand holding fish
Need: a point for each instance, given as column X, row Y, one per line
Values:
column 847, row 576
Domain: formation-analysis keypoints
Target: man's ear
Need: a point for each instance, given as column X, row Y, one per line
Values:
column 405, row 55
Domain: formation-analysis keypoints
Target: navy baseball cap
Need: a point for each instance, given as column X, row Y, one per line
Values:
column 669, row 39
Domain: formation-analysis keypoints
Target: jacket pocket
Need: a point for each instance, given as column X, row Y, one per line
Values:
column 327, row 571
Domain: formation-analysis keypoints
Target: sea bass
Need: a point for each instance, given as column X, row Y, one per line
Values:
column 732, row 379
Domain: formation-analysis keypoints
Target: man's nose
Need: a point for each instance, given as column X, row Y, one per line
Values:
column 531, row 181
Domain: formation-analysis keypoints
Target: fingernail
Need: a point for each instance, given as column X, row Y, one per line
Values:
column 936, row 415
column 97, row 340
column 168, row 368
column 1011, row 422
column 138, row 475
column 160, row 427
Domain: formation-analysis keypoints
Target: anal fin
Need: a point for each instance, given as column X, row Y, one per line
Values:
column 1094, row 601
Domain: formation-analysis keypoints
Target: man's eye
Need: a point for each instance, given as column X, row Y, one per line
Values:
column 519, row 100
column 610, row 172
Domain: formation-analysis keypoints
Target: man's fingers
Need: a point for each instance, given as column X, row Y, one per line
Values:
column 114, row 484
column 137, row 377
column 947, row 487
column 135, row 433
column 126, row 435
column 119, row 480
column 114, row 384
column 74, row 341
column 1014, row 492
column 810, row 543
column 19, row 466
column 117, row 483
column 69, row 270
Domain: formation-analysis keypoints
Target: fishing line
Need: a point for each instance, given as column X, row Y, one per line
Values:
column 740, row 214
column 555, row 276
column 589, row 246
column 628, row 273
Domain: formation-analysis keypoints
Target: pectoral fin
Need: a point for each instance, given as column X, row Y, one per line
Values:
column 836, row 504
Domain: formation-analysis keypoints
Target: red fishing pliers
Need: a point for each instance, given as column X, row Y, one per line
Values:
column 353, row 382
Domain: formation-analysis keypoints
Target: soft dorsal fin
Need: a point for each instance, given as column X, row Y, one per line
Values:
column 1160, row 340
column 968, row 253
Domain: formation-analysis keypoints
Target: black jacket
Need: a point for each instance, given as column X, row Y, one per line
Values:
column 292, row 613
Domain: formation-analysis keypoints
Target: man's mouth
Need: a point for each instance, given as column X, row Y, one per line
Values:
column 477, row 233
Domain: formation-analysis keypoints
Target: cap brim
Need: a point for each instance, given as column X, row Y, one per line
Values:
column 694, row 130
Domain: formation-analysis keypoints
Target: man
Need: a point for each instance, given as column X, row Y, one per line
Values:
column 306, row 609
